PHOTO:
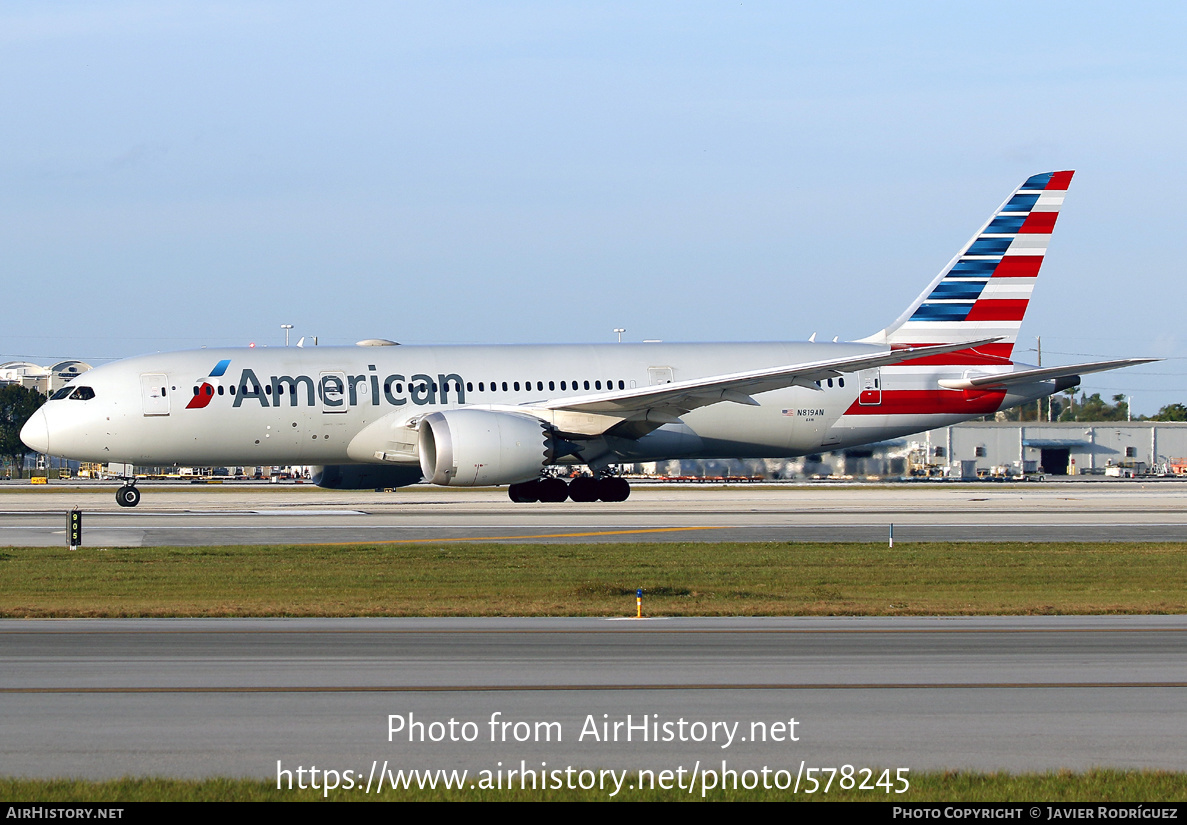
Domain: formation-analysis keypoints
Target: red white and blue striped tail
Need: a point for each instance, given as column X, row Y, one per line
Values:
column 984, row 291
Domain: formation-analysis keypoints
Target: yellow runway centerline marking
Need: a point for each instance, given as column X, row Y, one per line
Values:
column 518, row 538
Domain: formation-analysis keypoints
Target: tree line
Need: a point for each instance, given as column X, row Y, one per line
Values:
column 17, row 403
column 1067, row 407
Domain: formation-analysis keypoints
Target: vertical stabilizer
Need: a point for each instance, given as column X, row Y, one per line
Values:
column 983, row 292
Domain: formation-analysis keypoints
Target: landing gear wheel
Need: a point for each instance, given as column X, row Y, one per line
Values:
column 613, row 488
column 524, row 492
column 552, row 490
column 584, row 489
column 127, row 496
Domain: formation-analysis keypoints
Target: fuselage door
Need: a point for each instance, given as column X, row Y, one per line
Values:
column 871, row 388
column 659, row 375
column 154, row 392
column 332, row 390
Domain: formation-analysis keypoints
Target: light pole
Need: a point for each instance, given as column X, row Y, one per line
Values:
column 620, row 331
column 286, row 328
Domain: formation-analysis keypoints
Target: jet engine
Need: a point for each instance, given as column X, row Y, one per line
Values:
column 471, row 448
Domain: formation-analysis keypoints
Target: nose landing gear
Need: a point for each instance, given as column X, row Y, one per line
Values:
column 127, row 496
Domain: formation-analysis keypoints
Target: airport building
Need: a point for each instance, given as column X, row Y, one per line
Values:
column 46, row 380
column 1120, row 448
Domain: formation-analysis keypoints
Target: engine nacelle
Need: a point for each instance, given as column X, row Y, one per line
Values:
column 472, row 448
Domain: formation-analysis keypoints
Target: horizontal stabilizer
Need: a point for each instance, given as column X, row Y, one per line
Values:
column 1040, row 374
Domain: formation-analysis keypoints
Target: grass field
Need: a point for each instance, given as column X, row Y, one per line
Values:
column 693, row 579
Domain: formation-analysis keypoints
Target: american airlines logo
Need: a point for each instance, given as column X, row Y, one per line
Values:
column 332, row 390
column 206, row 391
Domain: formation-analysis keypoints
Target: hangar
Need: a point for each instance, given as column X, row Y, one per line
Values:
column 1118, row 448
column 45, row 380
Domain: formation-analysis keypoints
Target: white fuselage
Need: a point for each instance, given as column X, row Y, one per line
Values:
column 307, row 405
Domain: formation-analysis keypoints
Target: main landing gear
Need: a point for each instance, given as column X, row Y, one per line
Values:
column 127, row 496
column 582, row 488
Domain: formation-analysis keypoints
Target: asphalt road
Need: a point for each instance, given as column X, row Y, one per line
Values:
column 194, row 698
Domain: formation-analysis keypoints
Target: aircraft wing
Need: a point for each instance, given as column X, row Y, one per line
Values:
column 1039, row 374
column 647, row 408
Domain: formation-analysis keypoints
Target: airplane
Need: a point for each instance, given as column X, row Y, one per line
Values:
column 381, row 415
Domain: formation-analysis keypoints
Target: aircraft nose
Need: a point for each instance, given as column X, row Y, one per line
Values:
column 35, row 433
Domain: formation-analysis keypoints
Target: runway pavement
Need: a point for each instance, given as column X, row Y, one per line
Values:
column 194, row 698
column 185, row 515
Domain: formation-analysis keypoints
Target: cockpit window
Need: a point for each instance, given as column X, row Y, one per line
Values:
column 82, row 394
column 62, row 393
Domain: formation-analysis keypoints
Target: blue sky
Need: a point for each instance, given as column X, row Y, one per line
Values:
column 186, row 174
